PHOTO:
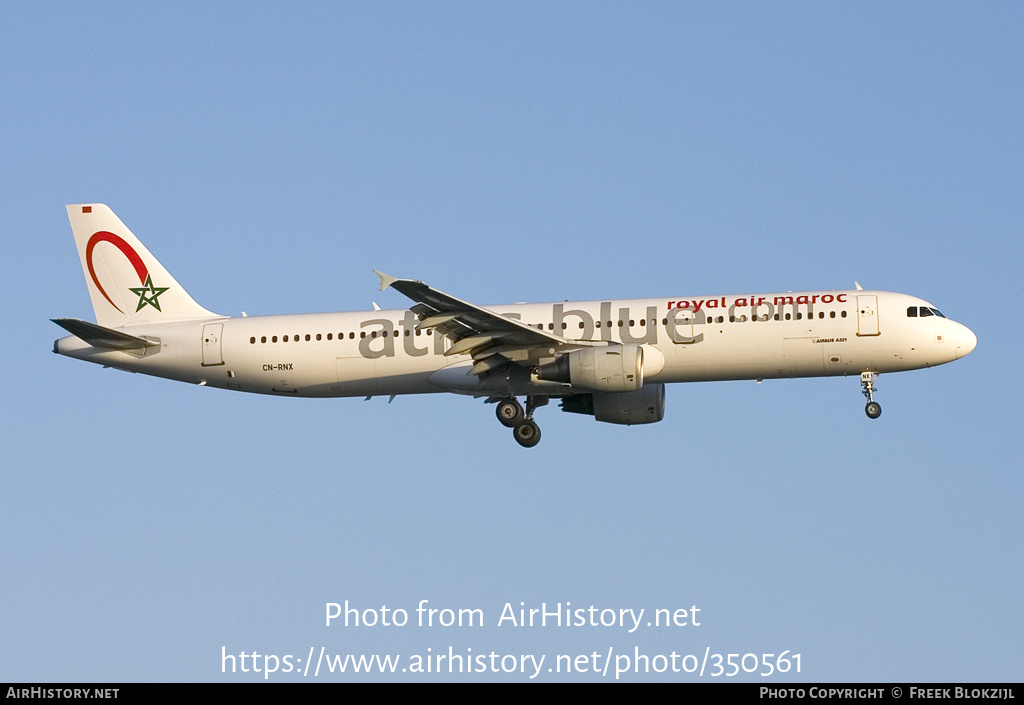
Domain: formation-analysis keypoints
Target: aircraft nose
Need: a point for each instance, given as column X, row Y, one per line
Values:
column 966, row 340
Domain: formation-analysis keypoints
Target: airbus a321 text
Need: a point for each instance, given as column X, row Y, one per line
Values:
column 607, row 359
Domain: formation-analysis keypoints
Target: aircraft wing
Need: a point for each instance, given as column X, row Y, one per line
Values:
column 491, row 338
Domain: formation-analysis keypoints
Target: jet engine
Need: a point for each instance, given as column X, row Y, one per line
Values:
column 646, row 405
column 614, row 368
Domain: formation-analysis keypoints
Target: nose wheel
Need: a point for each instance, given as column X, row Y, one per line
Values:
column 867, row 382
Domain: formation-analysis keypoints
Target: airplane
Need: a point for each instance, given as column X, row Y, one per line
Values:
column 607, row 359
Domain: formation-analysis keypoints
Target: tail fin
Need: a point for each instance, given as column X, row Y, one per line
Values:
column 127, row 284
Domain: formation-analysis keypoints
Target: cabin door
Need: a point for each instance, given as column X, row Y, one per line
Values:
column 211, row 344
column 867, row 315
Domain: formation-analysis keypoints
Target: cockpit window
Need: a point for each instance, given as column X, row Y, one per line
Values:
column 914, row 312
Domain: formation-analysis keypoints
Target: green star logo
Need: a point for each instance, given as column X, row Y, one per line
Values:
column 148, row 294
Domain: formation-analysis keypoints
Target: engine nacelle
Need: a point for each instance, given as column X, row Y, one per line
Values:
column 612, row 368
column 646, row 405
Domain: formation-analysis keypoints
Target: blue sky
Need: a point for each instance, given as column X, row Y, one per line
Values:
column 272, row 155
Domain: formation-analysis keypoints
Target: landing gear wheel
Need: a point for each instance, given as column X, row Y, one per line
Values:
column 509, row 413
column 527, row 434
column 867, row 385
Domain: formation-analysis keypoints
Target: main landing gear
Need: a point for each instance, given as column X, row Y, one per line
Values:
column 867, row 382
column 524, row 429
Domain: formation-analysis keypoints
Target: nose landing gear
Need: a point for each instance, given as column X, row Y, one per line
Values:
column 867, row 382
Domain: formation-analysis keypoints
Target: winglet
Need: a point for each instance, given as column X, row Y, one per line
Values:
column 859, row 287
column 385, row 280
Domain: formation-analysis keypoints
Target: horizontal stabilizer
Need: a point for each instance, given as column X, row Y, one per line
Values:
column 100, row 337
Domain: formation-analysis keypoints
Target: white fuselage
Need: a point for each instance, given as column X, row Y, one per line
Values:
column 689, row 339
